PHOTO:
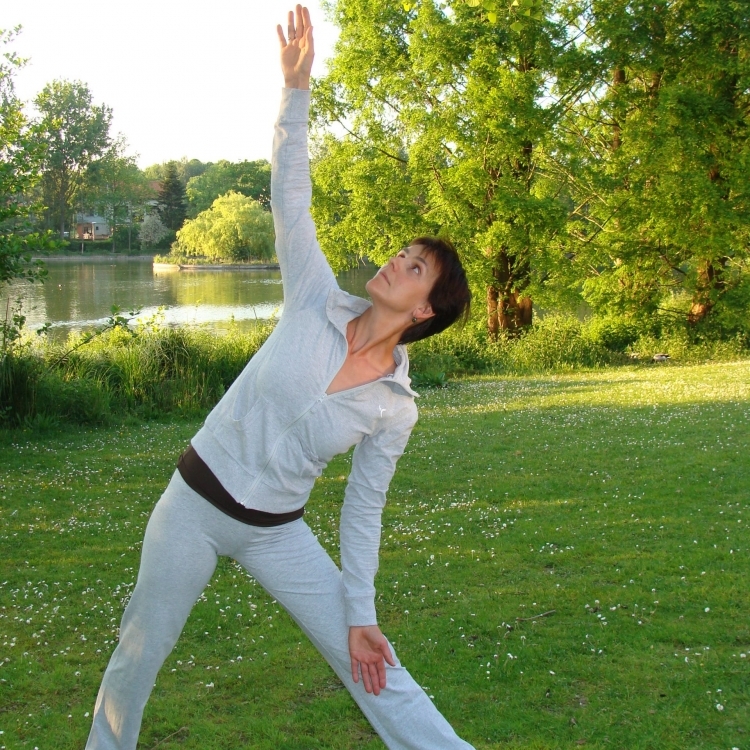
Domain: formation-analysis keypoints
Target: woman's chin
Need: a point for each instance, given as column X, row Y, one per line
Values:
column 373, row 284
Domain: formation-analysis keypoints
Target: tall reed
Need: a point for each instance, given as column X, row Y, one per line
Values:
column 147, row 371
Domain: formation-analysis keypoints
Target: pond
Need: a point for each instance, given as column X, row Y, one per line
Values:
column 78, row 294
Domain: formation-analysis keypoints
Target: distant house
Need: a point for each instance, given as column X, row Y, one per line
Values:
column 91, row 227
column 155, row 187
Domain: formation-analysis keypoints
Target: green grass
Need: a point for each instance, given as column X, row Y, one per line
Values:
column 617, row 501
column 153, row 370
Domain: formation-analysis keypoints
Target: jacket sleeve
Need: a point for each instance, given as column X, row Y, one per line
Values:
column 305, row 272
column 373, row 466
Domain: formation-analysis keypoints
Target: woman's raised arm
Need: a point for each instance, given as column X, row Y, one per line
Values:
column 306, row 275
column 298, row 51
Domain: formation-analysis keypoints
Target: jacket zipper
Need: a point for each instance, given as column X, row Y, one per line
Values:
column 276, row 444
column 297, row 419
column 300, row 416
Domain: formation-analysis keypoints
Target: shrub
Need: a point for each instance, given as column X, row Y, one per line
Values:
column 685, row 346
column 234, row 228
column 615, row 334
column 153, row 232
column 151, row 370
column 551, row 344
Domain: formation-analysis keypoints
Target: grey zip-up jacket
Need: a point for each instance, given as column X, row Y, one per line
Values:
column 275, row 429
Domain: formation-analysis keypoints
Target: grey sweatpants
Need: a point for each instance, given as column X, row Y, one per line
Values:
column 183, row 539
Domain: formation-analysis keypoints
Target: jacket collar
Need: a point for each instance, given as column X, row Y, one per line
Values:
column 342, row 307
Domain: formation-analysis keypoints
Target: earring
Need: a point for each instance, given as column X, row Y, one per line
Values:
column 413, row 320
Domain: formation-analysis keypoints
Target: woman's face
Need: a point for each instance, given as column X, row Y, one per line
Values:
column 403, row 285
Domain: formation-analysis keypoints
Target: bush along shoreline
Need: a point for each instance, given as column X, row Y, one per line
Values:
column 153, row 370
column 147, row 371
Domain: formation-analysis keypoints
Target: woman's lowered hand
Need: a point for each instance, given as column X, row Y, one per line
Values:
column 298, row 50
column 368, row 650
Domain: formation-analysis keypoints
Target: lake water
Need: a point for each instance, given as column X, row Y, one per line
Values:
column 79, row 294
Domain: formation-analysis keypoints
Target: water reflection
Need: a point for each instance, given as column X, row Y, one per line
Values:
column 80, row 293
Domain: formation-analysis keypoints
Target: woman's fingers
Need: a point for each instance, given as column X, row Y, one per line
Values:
column 370, row 678
column 376, row 683
column 369, row 652
column 307, row 24
column 373, row 675
column 388, row 656
column 298, row 25
column 280, row 32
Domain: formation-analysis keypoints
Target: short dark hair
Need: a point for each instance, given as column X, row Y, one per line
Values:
column 450, row 296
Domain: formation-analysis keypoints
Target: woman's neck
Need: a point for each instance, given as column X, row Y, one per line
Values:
column 373, row 337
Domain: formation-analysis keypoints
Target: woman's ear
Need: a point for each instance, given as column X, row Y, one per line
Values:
column 424, row 312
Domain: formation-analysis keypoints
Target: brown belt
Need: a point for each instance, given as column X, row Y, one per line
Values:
column 202, row 480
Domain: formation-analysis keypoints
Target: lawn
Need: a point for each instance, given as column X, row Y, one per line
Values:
column 565, row 563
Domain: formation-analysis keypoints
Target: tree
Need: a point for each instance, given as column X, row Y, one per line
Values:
column 75, row 133
column 172, row 199
column 152, row 231
column 573, row 150
column 234, row 228
column 21, row 155
column 446, row 119
column 657, row 161
column 116, row 187
column 186, row 169
column 250, row 178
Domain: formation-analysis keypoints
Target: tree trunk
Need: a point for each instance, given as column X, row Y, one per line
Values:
column 617, row 82
column 63, row 208
column 493, row 326
column 525, row 311
column 710, row 277
column 514, row 313
column 710, row 281
column 507, row 309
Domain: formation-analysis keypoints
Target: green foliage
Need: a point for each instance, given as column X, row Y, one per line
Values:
column 554, row 343
column 75, row 134
column 126, row 238
column 689, row 345
column 655, row 158
column 172, row 200
column 519, row 13
column 561, row 343
column 429, row 378
column 615, row 334
column 186, row 169
column 21, row 155
column 446, row 122
column 116, row 188
column 250, row 178
column 153, row 232
column 234, row 228
column 574, row 151
column 147, row 370
column 578, row 494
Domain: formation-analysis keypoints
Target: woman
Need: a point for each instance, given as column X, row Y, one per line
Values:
column 333, row 374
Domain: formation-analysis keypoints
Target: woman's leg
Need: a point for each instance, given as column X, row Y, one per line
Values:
column 291, row 565
column 178, row 559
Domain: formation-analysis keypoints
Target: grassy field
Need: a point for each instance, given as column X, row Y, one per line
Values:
column 565, row 563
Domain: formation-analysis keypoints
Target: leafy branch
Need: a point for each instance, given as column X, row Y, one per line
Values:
column 115, row 320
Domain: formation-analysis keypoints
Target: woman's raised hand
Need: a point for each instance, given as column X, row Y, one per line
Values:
column 297, row 51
